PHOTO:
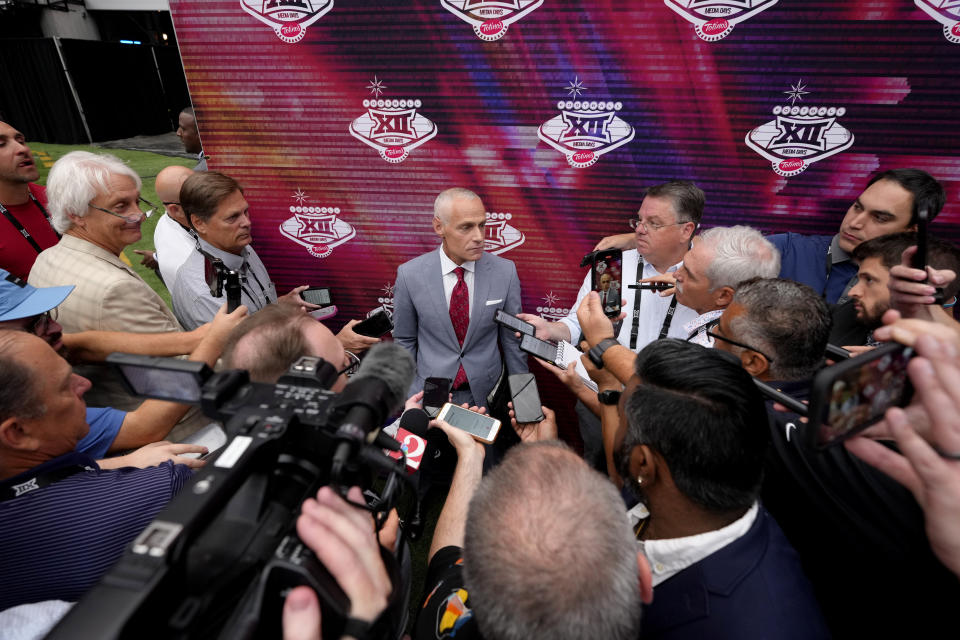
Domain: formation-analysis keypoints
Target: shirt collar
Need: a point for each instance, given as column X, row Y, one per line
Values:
column 66, row 460
column 702, row 320
column 671, row 556
column 447, row 265
column 836, row 253
column 653, row 270
column 230, row 260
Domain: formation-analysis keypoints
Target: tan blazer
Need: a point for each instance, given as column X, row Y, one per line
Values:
column 110, row 296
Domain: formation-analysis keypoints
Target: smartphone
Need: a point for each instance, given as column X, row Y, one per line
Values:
column 319, row 296
column 436, row 393
column 919, row 259
column 836, row 353
column 376, row 324
column 482, row 428
column 513, row 322
column 526, row 398
column 541, row 349
column 605, row 278
column 851, row 395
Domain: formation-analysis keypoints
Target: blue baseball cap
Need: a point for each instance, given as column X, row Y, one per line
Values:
column 20, row 300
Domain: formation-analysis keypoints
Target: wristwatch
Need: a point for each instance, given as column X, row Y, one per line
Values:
column 596, row 353
column 609, row 397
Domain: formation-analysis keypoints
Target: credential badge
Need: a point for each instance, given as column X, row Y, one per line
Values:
column 799, row 136
column 714, row 19
column 289, row 19
column 490, row 18
column 393, row 127
column 947, row 13
column 585, row 130
column 319, row 229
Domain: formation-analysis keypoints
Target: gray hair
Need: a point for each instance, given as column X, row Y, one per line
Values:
column 549, row 552
column 786, row 319
column 739, row 253
column 76, row 179
column 686, row 197
column 19, row 391
column 446, row 198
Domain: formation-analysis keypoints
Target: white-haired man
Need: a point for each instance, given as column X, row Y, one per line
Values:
column 95, row 202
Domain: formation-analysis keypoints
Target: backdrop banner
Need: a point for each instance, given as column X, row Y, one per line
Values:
column 343, row 120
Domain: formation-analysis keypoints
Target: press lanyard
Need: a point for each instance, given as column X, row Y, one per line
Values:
column 19, row 227
column 635, row 327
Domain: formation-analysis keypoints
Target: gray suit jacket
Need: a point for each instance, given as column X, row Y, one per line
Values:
column 422, row 323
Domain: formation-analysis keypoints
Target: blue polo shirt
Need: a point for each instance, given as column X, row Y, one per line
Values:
column 804, row 259
column 104, row 424
column 60, row 538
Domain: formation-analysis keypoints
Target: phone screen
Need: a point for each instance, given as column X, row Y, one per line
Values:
column 607, row 272
column 526, row 397
column 436, row 393
column 163, row 384
column 540, row 348
column 852, row 395
column 476, row 424
column 514, row 322
column 319, row 296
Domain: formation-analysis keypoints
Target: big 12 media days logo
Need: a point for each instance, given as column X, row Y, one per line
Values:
column 393, row 127
column 500, row 236
column 799, row 136
column 585, row 130
column 714, row 19
column 318, row 229
column 947, row 13
column 289, row 19
column 490, row 18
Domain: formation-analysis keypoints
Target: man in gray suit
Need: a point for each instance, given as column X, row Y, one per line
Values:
column 445, row 300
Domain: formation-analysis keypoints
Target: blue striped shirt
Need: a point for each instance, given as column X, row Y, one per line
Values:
column 60, row 539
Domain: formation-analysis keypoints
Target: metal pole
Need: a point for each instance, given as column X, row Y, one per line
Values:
column 73, row 90
column 163, row 89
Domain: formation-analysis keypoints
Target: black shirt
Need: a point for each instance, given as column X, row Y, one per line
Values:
column 445, row 612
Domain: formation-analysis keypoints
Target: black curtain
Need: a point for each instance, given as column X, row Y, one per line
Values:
column 35, row 97
column 118, row 87
column 174, row 82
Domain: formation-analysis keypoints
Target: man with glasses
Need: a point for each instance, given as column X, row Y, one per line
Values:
column 857, row 530
column 663, row 227
column 25, row 228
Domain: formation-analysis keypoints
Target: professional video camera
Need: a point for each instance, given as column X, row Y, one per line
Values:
column 219, row 560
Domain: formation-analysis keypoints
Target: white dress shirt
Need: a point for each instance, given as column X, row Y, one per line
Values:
column 653, row 308
column 447, row 268
column 670, row 556
column 697, row 329
column 173, row 244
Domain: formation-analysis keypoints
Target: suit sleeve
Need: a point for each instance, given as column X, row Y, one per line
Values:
column 404, row 316
column 130, row 305
column 516, row 360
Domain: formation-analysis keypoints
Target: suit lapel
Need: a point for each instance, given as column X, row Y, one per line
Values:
column 434, row 283
column 481, row 289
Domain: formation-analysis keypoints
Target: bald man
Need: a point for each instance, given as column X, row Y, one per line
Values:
column 172, row 237
column 268, row 342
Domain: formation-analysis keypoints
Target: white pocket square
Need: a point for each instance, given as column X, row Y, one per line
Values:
column 490, row 302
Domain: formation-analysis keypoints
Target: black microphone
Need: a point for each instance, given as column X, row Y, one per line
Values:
column 416, row 421
column 376, row 391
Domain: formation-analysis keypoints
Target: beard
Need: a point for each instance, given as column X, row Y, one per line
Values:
column 872, row 318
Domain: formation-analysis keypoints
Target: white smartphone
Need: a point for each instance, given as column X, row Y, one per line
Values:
column 481, row 427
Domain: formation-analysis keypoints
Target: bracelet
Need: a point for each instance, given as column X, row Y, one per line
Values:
column 356, row 628
column 951, row 304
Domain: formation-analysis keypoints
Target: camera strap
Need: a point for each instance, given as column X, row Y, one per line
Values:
column 19, row 226
column 635, row 327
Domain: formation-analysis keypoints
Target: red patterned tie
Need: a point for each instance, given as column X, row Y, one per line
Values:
column 460, row 317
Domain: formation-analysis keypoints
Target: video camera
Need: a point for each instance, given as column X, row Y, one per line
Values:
column 219, row 560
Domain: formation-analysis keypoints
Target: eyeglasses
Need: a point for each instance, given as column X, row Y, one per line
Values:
column 167, row 204
column 131, row 219
column 41, row 323
column 352, row 367
column 650, row 227
column 717, row 336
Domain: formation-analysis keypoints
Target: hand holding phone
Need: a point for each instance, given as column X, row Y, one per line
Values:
column 436, row 393
column 319, row 296
column 377, row 323
column 525, row 398
column 605, row 276
column 513, row 322
column 482, row 428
